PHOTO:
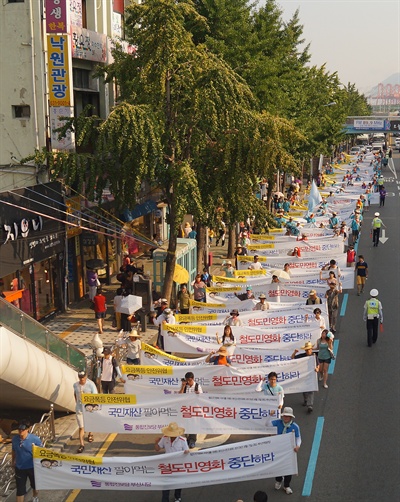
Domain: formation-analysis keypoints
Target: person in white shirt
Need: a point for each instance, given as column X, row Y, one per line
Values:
column 172, row 441
column 83, row 386
column 256, row 265
column 166, row 317
column 109, row 370
column 188, row 386
column 134, row 346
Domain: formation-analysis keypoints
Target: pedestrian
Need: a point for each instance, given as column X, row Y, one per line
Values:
column 256, row 265
column 190, row 386
column 233, row 319
column 199, row 289
column 183, row 300
column 313, row 298
column 308, row 397
column 22, row 460
column 134, row 346
column 376, row 225
column 260, row 496
column 228, row 340
column 287, row 425
column 362, row 274
column 240, row 251
column 100, row 309
column 325, row 355
column 373, row 315
column 246, row 296
column 229, row 269
column 332, row 301
column 166, row 317
column 332, row 265
column 93, row 282
column 117, row 308
column 219, row 357
column 382, row 196
column 351, row 256
column 355, row 229
column 262, row 304
column 83, row 386
column 172, row 441
column 286, row 268
column 270, row 387
column 109, row 371
column 221, row 233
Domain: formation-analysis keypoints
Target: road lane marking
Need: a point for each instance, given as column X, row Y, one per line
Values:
column 344, row 305
column 312, row 463
column 331, row 368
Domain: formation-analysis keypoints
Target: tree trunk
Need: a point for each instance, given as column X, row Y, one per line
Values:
column 202, row 249
column 232, row 241
column 171, row 254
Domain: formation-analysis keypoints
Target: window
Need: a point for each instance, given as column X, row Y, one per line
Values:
column 16, row 1
column 21, row 111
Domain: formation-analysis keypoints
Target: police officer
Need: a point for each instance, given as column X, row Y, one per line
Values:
column 373, row 314
column 376, row 225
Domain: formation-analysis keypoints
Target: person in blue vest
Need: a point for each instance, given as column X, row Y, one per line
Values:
column 333, row 220
column 373, row 315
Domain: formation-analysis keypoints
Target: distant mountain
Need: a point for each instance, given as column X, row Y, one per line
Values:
column 393, row 80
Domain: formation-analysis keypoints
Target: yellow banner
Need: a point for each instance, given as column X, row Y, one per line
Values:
column 53, row 456
column 146, row 370
column 250, row 272
column 183, row 328
column 272, row 231
column 262, row 237
column 221, row 278
column 152, row 350
column 108, row 399
column 206, row 305
column 199, row 317
column 261, row 246
column 223, row 290
column 58, row 70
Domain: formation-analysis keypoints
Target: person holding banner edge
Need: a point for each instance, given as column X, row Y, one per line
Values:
column 188, row 386
column 172, row 441
column 308, row 352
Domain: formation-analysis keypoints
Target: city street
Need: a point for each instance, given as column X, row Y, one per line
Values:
column 351, row 439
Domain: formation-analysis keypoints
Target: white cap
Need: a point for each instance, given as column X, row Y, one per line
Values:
column 376, row 214
column 374, row 292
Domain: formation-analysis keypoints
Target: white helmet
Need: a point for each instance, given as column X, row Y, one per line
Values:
column 374, row 292
column 376, row 214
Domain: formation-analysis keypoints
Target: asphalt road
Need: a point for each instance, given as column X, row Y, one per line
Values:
column 359, row 453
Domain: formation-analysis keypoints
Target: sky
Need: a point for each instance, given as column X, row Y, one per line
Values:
column 360, row 39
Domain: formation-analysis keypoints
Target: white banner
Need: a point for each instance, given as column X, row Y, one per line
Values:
column 151, row 356
column 307, row 248
column 279, row 338
column 278, row 262
column 255, row 459
column 296, row 375
column 197, row 413
column 274, row 292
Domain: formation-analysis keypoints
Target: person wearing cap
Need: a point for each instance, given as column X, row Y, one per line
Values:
column 22, row 460
column 166, row 317
column 183, row 300
column 262, row 304
column 376, row 226
column 362, row 274
column 308, row 397
column 240, row 251
column 190, row 386
column 287, row 425
column 310, row 218
column 134, row 346
column 109, row 371
column 313, row 298
column 82, row 386
column 373, row 315
column 351, row 257
column 256, row 265
column 333, row 221
column 219, row 357
column 227, row 340
column 233, row 319
column 229, row 269
column 270, row 387
column 355, row 228
column 246, row 296
column 173, row 440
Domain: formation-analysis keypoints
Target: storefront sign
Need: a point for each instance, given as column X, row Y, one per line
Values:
column 56, row 16
column 59, row 70
column 87, row 44
column 75, row 12
column 89, row 239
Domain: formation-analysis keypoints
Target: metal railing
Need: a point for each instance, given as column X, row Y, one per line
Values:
column 23, row 325
column 46, row 431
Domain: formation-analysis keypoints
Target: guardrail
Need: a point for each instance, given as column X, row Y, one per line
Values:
column 22, row 324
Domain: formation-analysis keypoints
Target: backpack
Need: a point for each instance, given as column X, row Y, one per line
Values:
column 196, row 388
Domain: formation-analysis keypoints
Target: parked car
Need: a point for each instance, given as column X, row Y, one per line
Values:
column 355, row 150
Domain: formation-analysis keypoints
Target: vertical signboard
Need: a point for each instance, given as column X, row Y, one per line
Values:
column 59, row 70
column 56, row 16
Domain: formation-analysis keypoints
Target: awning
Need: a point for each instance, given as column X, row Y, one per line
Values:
column 139, row 210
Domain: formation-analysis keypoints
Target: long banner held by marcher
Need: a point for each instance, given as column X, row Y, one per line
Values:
column 255, row 459
column 296, row 375
column 197, row 413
